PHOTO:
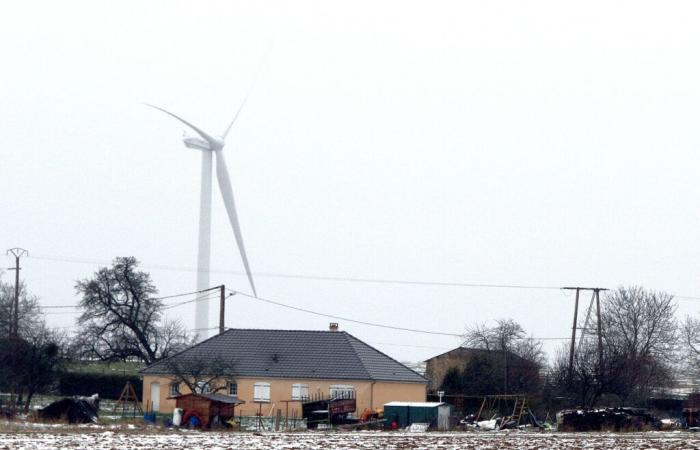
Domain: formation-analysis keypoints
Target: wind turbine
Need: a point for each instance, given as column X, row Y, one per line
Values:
column 209, row 144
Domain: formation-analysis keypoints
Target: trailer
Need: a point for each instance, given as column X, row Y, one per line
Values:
column 329, row 410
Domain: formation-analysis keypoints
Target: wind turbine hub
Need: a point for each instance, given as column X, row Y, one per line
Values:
column 217, row 143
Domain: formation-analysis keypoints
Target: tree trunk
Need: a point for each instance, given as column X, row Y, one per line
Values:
column 30, row 394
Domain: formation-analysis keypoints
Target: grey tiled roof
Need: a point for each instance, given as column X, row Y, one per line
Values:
column 294, row 354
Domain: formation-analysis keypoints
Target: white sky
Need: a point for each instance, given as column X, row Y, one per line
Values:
column 543, row 143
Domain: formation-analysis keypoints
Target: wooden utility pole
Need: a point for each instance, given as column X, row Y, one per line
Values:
column 222, row 307
column 573, row 337
column 17, row 253
column 596, row 292
column 596, row 296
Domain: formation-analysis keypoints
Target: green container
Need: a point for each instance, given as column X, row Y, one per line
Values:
column 406, row 413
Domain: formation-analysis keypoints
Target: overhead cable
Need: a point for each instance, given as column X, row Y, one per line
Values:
column 362, row 322
column 333, row 278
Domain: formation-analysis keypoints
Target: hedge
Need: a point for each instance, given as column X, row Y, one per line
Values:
column 107, row 385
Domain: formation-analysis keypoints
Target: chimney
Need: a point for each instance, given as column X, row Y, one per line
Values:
column 333, row 326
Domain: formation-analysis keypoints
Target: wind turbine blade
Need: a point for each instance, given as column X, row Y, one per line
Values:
column 227, row 194
column 240, row 108
column 204, row 135
column 250, row 90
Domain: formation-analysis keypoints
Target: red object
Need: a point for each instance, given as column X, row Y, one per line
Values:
column 188, row 415
column 394, row 425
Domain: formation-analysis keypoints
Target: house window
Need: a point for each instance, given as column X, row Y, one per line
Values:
column 203, row 387
column 342, row 391
column 300, row 391
column 174, row 389
column 232, row 388
column 261, row 392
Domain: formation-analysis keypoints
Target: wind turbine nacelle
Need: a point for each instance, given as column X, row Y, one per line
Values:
column 196, row 143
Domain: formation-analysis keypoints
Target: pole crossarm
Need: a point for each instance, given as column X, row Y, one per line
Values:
column 17, row 252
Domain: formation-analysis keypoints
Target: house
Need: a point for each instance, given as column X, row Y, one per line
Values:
column 437, row 367
column 489, row 368
column 269, row 368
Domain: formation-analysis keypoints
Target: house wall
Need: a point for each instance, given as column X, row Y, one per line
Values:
column 437, row 367
column 369, row 394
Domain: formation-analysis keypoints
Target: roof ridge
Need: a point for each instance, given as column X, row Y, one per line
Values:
column 354, row 351
column 383, row 354
column 280, row 329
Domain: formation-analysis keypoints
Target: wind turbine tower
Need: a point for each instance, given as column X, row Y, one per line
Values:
column 211, row 147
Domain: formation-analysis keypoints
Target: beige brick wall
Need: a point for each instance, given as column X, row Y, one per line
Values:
column 369, row 394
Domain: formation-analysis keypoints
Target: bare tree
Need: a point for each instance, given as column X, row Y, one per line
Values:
column 512, row 359
column 502, row 336
column 690, row 347
column 200, row 372
column 46, row 359
column 639, row 336
column 584, row 387
column 121, row 318
column 31, row 361
column 29, row 314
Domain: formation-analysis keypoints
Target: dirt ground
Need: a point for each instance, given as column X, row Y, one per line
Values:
column 87, row 438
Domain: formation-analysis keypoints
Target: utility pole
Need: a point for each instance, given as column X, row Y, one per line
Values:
column 222, row 307
column 596, row 297
column 17, row 253
column 573, row 337
column 596, row 292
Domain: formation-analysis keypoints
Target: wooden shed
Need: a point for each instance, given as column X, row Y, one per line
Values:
column 207, row 406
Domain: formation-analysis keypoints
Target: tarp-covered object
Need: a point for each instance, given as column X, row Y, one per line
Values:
column 72, row 410
column 618, row 419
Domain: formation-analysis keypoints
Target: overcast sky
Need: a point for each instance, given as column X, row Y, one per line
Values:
column 542, row 143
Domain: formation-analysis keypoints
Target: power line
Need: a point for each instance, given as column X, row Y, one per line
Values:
column 313, row 277
column 186, row 293
column 411, row 346
column 362, row 322
column 208, row 297
column 334, row 278
column 77, row 305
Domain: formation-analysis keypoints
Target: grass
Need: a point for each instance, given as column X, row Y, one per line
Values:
column 100, row 367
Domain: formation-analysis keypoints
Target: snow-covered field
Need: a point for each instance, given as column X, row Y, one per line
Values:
column 135, row 439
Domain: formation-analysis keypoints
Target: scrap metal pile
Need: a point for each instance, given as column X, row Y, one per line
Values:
column 607, row 419
column 72, row 410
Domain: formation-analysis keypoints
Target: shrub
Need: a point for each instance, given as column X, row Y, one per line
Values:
column 106, row 385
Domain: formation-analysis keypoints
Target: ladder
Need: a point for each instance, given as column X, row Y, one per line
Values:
column 520, row 409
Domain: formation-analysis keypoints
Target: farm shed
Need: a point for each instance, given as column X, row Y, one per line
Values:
column 405, row 413
column 207, row 406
